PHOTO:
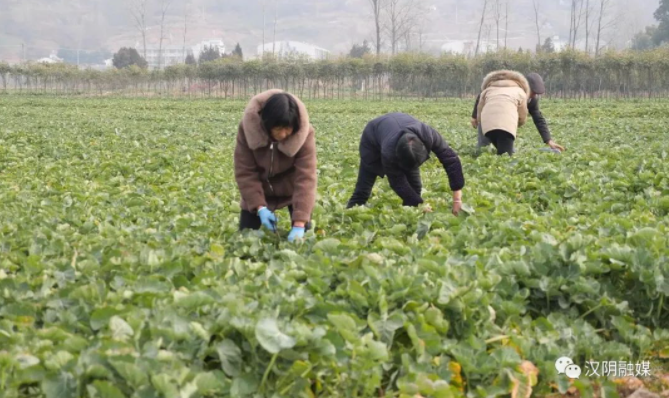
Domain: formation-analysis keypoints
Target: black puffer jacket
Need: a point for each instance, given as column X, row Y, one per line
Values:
column 377, row 153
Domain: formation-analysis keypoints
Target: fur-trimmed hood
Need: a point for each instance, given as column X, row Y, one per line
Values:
column 255, row 133
column 498, row 78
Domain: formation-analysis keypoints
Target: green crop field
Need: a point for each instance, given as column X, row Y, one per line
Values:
column 122, row 273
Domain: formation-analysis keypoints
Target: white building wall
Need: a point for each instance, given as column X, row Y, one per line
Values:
column 171, row 55
column 283, row 49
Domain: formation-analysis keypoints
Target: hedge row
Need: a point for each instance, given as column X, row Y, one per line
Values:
column 568, row 74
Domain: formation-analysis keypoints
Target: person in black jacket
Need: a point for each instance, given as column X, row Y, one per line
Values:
column 396, row 145
column 537, row 88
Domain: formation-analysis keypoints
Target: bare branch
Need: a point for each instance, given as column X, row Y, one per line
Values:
column 478, row 40
column 506, row 29
column 377, row 6
column 186, row 15
column 402, row 16
column 164, row 7
column 536, row 21
column 603, row 9
column 137, row 9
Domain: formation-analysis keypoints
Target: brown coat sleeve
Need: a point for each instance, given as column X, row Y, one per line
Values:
column 522, row 111
column 481, row 103
column 306, row 180
column 247, row 174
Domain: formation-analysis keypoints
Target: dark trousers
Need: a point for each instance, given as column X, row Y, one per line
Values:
column 502, row 140
column 248, row 220
column 366, row 180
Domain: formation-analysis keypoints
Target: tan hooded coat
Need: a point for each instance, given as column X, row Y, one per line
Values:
column 503, row 103
column 280, row 174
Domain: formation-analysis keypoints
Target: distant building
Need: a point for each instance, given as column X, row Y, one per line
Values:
column 216, row 43
column 171, row 55
column 558, row 45
column 174, row 54
column 467, row 47
column 51, row 59
column 286, row 49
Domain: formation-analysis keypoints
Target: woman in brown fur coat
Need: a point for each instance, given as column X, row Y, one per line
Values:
column 502, row 108
column 275, row 162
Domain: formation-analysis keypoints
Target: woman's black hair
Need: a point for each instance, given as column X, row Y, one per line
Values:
column 410, row 151
column 280, row 110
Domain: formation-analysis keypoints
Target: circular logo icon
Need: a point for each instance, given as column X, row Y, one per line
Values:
column 573, row 371
column 562, row 363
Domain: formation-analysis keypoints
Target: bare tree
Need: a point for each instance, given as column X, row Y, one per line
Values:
column 276, row 16
column 587, row 26
column 264, row 6
column 536, row 22
column 401, row 16
column 478, row 40
column 377, row 7
column 498, row 17
column 186, row 14
column 415, row 22
column 421, row 35
column 572, row 12
column 575, row 18
column 604, row 6
column 408, row 45
column 506, row 29
column 577, row 26
column 137, row 10
column 164, row 6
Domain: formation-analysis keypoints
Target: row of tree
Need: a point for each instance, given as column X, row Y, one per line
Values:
column 568, row 74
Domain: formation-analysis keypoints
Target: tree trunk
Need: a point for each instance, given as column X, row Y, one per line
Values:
column 478, row 40
column 602, row 6
column 587, row 27
column 536, row 21
column 506, row 29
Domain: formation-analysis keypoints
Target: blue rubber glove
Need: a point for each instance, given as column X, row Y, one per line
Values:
column 296, row 233
column 267, row 218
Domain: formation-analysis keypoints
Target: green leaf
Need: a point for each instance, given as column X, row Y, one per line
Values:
column 467, row 208
column 328, row 245
column 100, row 317
column 107, row 390
column 62, row 385
column 271, row 338
column 230, row 356
column 57, row 361
column 164, row 385
column 345, row 325
column 120, row 329
column 27, row 360
column 244, row 385
column 133, row 375
column 209, row 383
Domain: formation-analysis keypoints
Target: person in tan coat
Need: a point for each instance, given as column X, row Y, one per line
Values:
column 502, row 108
column 275, row 162
column 537, row 89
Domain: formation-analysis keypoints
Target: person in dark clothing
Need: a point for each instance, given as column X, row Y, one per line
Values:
column 396, row 145
column 537, row 88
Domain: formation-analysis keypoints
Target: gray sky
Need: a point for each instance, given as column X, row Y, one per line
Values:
column 43, row 26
